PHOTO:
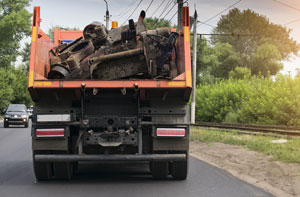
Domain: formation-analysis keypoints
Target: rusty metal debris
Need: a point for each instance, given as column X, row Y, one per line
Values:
column 127, row 52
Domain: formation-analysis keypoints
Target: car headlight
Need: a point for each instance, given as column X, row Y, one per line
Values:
column 24, row 116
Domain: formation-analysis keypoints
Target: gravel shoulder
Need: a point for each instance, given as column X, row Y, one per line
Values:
column 276, row 177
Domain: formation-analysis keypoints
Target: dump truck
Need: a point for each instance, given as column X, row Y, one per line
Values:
column 136, row 118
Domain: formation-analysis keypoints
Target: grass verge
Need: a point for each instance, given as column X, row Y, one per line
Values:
column 288, row 152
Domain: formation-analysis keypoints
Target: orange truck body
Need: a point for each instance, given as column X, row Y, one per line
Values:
column 40, row 67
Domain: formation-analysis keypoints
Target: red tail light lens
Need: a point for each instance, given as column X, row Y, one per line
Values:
column 50, row 132
column 170, row 132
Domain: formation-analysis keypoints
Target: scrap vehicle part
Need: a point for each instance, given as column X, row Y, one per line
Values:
column 97, row 32
column 116, row 69
column 115, row 35
column 58, row 72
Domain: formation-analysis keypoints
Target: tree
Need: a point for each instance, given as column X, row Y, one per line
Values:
column 153, row 23
column 15, row 24
column 19, row 87
column 25, row 55
column 6, row 91
column 261, row 31
column 240, row 73
column 266, row 60
column 214, row 62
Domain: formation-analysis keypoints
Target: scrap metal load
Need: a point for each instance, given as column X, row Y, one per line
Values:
column 127, row 52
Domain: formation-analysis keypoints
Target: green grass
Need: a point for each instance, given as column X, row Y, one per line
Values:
column 287, row 152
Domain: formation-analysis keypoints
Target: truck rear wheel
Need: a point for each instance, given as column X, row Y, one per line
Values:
column 42, row 170
column 62, row 170
column 179, row 169
column 159, row 170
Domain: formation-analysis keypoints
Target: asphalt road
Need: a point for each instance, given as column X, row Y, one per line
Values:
column 17, row 177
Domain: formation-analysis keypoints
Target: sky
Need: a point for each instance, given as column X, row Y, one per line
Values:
column 79, row 13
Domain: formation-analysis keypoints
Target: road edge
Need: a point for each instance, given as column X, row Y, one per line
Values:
column 248, row 179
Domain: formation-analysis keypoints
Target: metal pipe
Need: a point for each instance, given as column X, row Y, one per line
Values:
column 97, row 158
column 118, row 55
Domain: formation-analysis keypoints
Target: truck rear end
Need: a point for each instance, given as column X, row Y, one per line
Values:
column 92, row 120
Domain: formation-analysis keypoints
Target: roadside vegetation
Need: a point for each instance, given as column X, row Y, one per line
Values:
column 287, row 152
column 253, row 100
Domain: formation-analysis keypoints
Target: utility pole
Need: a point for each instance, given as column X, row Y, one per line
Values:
column 179, row 20
column 193, row 104
column 107, row 16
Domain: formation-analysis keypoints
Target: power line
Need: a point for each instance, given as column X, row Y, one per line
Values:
column 130, row 6
column 133, row 11
column 159, row 6
column 149, row 5
column 172, row 17
column 286, row 5
column 292, row 22
column 221, row 12
column 205, row 24
column 169, row 11
column 165, row 8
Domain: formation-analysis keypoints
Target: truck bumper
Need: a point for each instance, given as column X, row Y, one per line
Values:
column 99, row 158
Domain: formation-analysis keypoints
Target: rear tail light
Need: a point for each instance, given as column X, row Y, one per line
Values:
column 170, row 132
column 50, row 132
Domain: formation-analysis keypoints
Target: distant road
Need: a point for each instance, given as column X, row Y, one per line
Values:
column 134, row 180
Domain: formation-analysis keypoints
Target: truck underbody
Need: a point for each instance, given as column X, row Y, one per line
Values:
column 70, row 126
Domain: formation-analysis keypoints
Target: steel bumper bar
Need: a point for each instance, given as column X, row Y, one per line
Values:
column 98, row 158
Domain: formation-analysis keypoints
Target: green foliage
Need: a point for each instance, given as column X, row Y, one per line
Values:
column 15, row 24
column 266, row 59
column 153, row 23
column 214, row 102
column 6, row 91
column 266, row 45
column 214, row 62
column 25, row 54
column 250, row 100
column 19, row 86
column 240, row 73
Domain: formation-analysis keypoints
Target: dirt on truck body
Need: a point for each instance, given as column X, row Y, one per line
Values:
column 110, row 95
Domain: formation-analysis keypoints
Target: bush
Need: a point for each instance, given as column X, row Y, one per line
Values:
column 253, row 100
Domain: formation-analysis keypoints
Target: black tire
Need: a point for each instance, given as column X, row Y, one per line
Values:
column 75, row 167
column 5, row 125
column 179, row 169
column 63, row 170
column 26, row 125
column 159, row 170
column 42, row 170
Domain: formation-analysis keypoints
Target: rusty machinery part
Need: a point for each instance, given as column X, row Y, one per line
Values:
column 115, row 35
column 81, row 50
column 158, row 51
column 97, row 32
column 142, row 15
column 97, row 61
column 127, row 52
column 130, row 34
column 54, row 60
column 58, row 72
column 112, row 70
column 163, row 31
column 67, row 47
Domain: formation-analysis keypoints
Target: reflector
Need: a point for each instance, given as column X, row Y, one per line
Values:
column 170, row 132
column 50, row 132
